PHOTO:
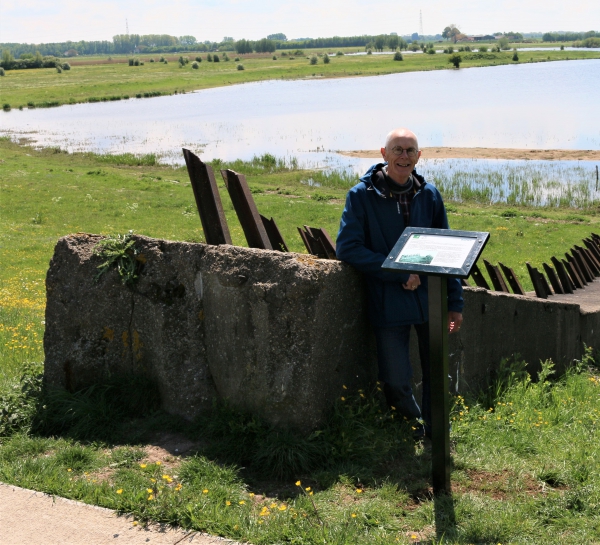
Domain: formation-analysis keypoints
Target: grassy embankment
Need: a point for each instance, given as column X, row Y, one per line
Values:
column 526, row 465
column 96, row 78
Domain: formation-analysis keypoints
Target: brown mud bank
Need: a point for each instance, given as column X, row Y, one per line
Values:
column 492, row 153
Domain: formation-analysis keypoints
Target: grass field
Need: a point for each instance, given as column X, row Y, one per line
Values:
column 88, row 80
column 526, row 457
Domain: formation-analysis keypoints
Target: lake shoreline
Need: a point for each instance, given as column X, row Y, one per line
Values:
column 490, row 153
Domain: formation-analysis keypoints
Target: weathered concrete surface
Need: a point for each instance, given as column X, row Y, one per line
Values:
column 33, row 517
column 276, row 334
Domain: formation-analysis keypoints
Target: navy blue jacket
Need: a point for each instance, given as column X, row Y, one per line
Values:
column 371, row 225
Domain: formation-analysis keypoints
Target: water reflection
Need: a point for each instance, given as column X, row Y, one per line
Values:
column 542, row 105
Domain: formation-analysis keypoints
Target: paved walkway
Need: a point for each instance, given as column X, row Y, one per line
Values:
column 28, row 517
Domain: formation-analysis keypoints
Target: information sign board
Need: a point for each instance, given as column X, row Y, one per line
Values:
column 440, row 252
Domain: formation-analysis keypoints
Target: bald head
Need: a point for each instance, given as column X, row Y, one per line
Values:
column 401, row 133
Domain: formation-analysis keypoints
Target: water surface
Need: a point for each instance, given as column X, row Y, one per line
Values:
column 538, row 105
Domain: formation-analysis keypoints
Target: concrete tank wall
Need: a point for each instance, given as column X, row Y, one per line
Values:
column 277, row 334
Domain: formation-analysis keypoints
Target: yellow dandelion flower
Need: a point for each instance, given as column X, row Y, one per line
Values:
column 359, row 491
column 228, row 503
column 142, row 466
column 343, row 398
column 251, row 494
column 353, row 515
column 273, row 505
column 307, row 489
column 149, row 490
column 282, row 507
column 158, row 462
column 150, row 497
column 242, row 502
column 153, row 480
column 236, row 527
column 310, row 493
column 344, row 387
column 178, row 487
column 392, row 407
column 69, row 470
column 166, row 477
column 298, row 483
column 120, row 491
column 205, row 491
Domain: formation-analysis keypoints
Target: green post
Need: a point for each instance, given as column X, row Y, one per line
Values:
column 440, row 407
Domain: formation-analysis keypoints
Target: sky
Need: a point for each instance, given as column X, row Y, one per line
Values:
column 43, row 21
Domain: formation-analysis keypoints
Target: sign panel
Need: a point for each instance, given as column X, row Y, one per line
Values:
column 441, row 252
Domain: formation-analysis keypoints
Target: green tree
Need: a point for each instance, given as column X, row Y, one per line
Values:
column 455, row 59
column 380, row 42
column 243, row 46
column 398, row 56
column 393, row 42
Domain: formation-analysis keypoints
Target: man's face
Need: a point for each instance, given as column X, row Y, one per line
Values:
column 400, row 162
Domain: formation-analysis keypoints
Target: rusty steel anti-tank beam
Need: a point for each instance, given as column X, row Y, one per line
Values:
column 208, row 200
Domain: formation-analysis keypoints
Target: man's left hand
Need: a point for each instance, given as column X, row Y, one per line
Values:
column 454, row 321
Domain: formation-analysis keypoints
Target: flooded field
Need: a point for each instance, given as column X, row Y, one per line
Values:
column 541, row 105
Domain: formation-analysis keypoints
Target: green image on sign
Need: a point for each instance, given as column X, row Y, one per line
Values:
column 416, row 258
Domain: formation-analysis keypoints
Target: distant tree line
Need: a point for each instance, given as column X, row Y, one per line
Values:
column 28, row 60
column 569, row 36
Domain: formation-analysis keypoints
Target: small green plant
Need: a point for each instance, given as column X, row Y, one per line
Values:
column 136, row 61
column 58, row 69
column 483, row 49
column 151, row 60
column 195, row 65
column 130, row 62
column 162, row 59
column 431, row 51
column 6, row 107
column 240, row 67
column 119, row 251
column 369, row 51
column 66, row 66
column 37, row 219
column 398, row 56
column 216, row 58
column 515, row 57
column 225, row 57
column 274, row 57
column 455, row 59
column 237, row 59
column 510, row 213
column 339, row 54
column 2, row 73
column 562, row 47
column 198, row 59
column 326, row 59
column 314, row 59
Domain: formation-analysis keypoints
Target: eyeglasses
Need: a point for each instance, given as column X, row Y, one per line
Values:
column 410, row 152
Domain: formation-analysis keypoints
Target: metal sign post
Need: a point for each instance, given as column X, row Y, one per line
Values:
column 439, row 254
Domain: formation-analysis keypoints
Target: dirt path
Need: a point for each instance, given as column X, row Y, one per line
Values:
column 33, row 517
column 492, row 153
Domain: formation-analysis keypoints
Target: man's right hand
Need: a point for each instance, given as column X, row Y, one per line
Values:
column 412, row 283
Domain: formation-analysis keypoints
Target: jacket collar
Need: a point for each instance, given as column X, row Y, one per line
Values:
column 375, row 181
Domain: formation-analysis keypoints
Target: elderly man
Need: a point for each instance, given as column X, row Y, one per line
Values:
column 388, row 198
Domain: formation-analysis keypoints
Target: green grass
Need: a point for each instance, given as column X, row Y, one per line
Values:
column 514, row 481
column 526, row 467
column 89, row 81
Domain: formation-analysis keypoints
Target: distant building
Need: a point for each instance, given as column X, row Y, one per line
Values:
column 482, row 37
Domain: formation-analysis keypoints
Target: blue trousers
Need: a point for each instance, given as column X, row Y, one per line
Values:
column 395, row 369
